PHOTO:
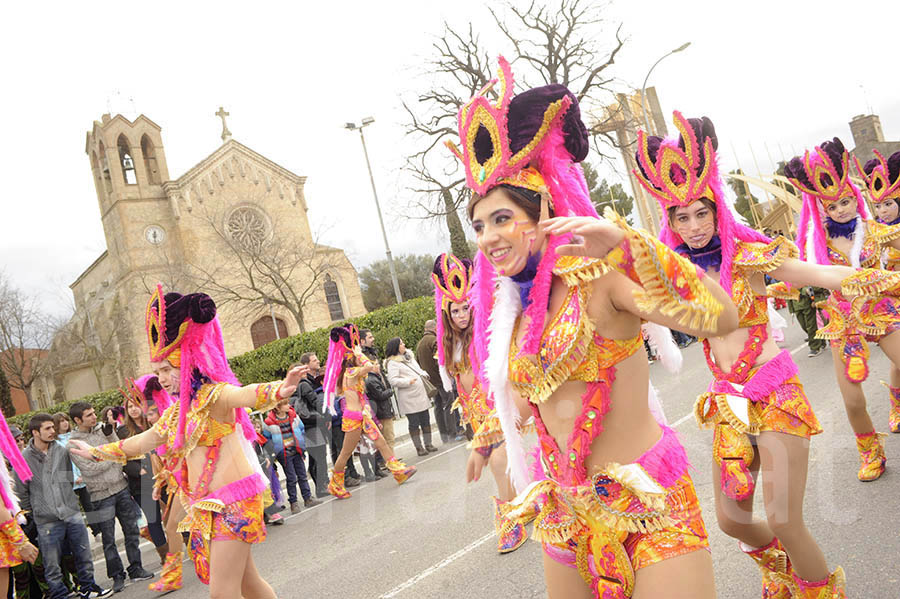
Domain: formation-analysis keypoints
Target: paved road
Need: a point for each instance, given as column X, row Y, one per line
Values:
column 432, row 537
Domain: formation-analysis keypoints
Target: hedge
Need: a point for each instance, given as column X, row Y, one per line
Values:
column 271, row 361
column 98, row 400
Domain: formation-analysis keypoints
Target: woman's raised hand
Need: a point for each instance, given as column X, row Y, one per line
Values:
column 293, row 378
column 591, row 237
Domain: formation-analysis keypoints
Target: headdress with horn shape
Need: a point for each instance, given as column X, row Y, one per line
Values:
column 678, row 171
column 185, row 330
column 823, row 177
column 452, row 279
column 882, row 176
column 145, row 392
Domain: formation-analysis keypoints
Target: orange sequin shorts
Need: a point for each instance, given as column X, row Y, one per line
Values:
column 8, row 554
column 241, row 521
column 685, row 534
column 353, row 420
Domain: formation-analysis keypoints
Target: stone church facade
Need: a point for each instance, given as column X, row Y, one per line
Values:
column 204, row 231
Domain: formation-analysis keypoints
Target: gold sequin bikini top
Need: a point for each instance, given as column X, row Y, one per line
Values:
column 878, row 236
column 569, row 349
column 200, row 428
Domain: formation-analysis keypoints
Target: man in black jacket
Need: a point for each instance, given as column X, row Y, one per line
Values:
column 308, row 401
column 380, row 396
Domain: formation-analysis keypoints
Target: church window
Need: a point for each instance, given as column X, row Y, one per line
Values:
column 263, row 331
column 333, row 297
column 125, row 161
column 104, row 168
column 248, row 226
column 150, row 165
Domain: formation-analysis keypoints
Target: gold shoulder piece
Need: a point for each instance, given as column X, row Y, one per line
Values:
column 871, row 282
column 882, row 234
column 759, row 257
column 574, row 270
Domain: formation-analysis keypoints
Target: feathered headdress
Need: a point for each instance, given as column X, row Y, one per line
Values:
column 20, row 466
column 823, row 177
column 185, row 330
column 882, row 176
column 341, row 347
column 452, row 279
column 145, row 391
column 678, row 171
column 540, row 128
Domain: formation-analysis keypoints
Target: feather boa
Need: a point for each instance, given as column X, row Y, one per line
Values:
column 660, row 339
column 6, row 490
column 501, row 328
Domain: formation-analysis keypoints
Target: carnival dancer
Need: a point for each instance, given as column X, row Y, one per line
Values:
column 209, row 432
column 834, row 229
column 565, row 319
column 166, row 469
column 15, row 547
column 139, row 401
column 756, row 405
column 345, row 374
column 882, row 178
column 456, row 358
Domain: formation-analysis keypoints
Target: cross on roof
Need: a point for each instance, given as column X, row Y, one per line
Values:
column 226, row 134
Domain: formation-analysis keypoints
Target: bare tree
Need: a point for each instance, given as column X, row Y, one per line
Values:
column 25, row 336
column 263, row 263
column 556, row 42
column 85, row 340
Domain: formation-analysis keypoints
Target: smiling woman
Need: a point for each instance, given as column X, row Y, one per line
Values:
column 565, row 293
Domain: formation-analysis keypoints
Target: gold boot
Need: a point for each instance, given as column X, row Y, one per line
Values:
column 401, row 471
column 510, row 535
column 336, row 485
column 170, row 577
column 830, row 588
column 775, row 565
column 871, row 456
column 894, row 415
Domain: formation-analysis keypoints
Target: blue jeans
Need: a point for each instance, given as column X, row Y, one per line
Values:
column 119, row 505
column 57, row 538
column 295, row 471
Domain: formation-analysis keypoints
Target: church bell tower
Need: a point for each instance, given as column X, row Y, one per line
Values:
column 129, row 167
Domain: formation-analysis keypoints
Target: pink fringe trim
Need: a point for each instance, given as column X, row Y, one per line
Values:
column 333, row 364
column 666, row 461
column 536, row 466
column 11, row 451
column 764, row 381
column 239, row 489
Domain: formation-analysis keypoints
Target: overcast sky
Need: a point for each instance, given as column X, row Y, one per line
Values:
column 782, row 74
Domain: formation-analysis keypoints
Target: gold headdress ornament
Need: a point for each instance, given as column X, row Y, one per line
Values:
column 677, row 177
column 827, row 183
column 452, row 279
column 479, row 118
column 879, row 182
column 156, row 331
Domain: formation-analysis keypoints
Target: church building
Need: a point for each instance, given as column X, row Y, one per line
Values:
column 234, row 226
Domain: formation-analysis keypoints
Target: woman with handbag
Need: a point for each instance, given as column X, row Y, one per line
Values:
column 411, row 384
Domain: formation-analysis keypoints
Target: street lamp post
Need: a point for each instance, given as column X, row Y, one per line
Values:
column 387, row 248
column 647, row 78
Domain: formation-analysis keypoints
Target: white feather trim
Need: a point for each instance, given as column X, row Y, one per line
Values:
column 507, row 306
column 655, row 406
column 776, row 320
column 445, row 379
column 859, row 236
column 660, row 339
column 10, row 492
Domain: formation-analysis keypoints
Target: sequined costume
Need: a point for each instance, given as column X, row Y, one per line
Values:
column 623, row 517
column 882, row 179
column 751, row 397
column 184, row 330
column 452, row 279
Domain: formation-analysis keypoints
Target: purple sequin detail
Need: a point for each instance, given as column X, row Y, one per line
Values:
column 525, row 279
column 709, row 256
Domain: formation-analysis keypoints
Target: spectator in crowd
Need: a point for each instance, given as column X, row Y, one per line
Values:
column 265, row 453
column 406, row 376
column 380, row 395
column 139, row 472
column 308, row 401
column 109, row 493
column 804, row 308
column 52, row 508
column 426, row 351
column 18, row 435
column 63, row 428
column 367, row 343
column 285, row 429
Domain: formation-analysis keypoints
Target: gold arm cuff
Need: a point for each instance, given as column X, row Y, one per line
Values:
column 13, row 532
column 871, row 282
column 671, row 283
column 111, row 452
column 267, row 395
